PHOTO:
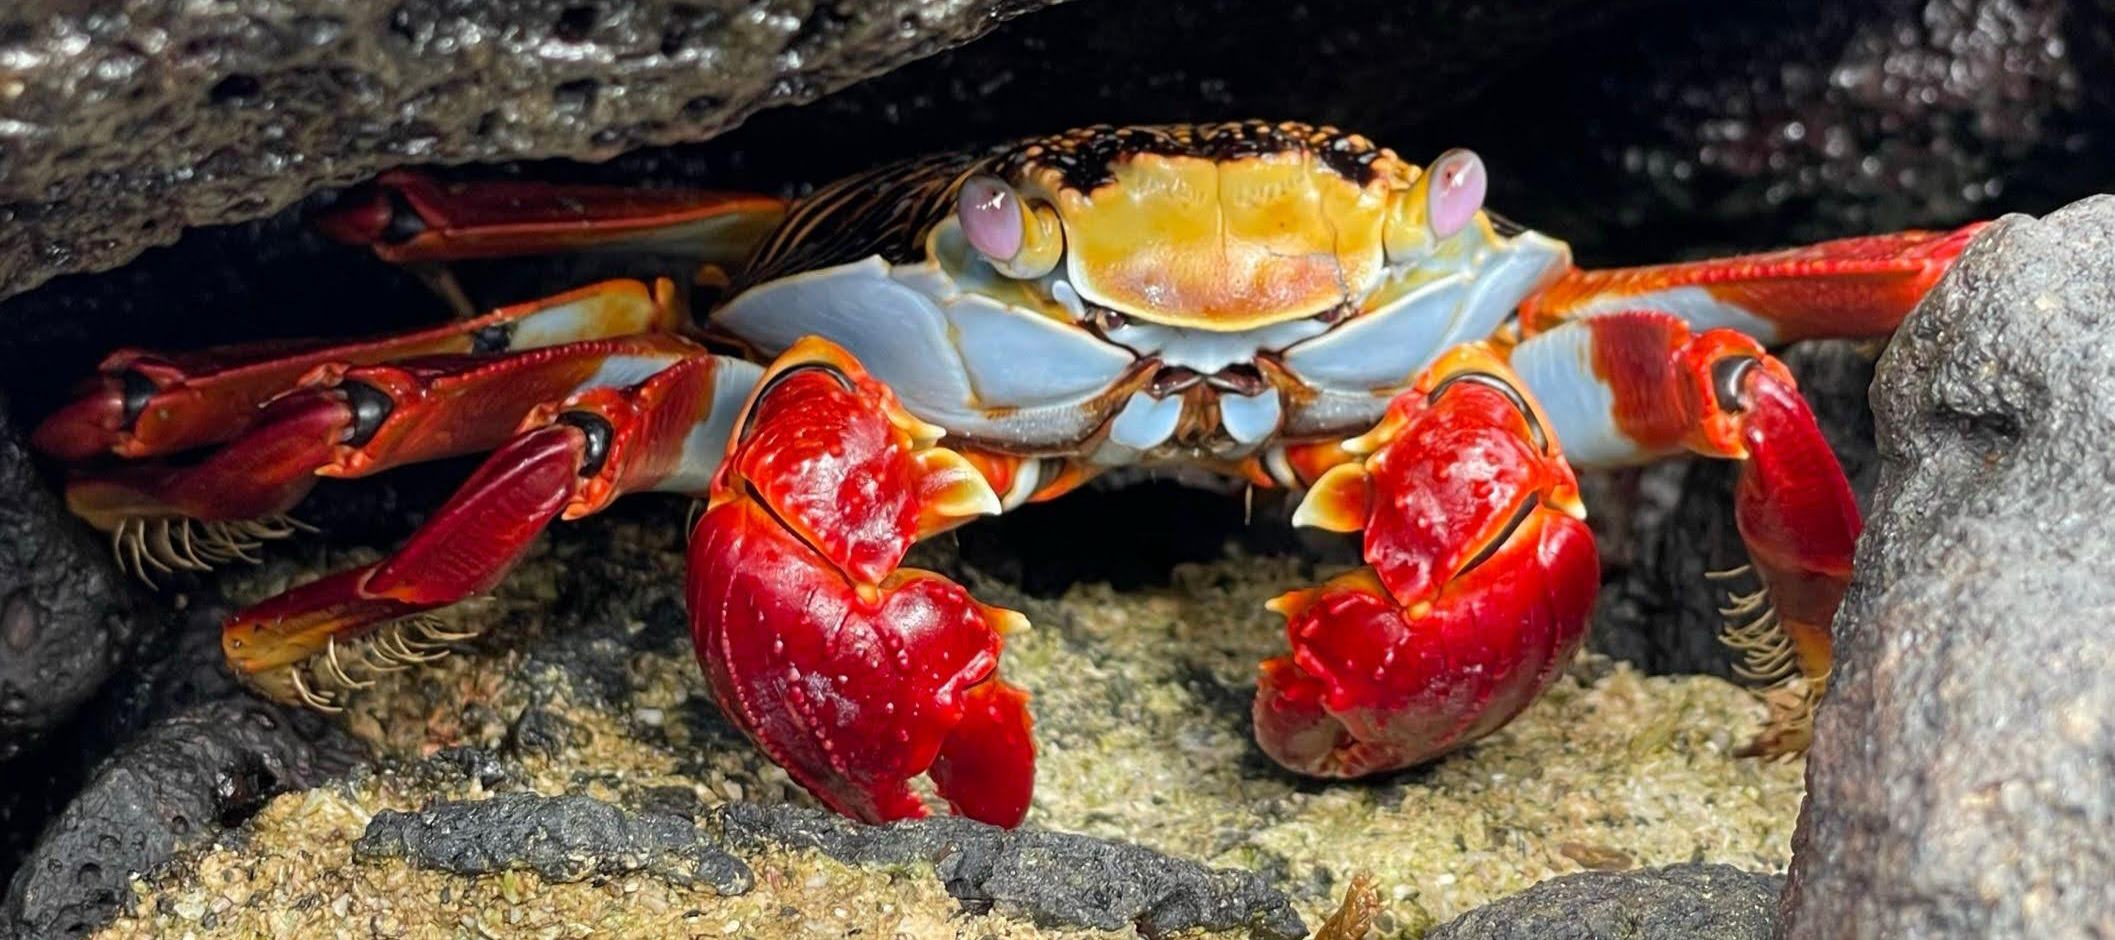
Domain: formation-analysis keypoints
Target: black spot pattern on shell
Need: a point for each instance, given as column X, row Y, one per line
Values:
column 887, row 211
column 1085, row 158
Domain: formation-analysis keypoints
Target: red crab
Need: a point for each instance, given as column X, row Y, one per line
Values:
column 951, row 337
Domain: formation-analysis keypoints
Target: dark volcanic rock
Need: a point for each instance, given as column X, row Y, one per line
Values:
column 563, row 838
column 1678, row 902
column 1052, row 878
column 1960, row 779
column 182, row 782
column 127, row 126
column 67, row 620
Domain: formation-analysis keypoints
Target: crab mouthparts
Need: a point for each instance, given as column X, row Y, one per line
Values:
column 1243, row 379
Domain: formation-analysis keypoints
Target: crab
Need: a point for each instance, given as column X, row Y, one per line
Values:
column 926, row 343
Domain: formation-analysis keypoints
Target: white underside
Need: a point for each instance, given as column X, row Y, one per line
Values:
column 991, row 372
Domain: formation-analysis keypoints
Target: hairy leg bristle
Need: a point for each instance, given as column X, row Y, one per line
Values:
column 1768, row 656
column 169, row 544
column 327, row 678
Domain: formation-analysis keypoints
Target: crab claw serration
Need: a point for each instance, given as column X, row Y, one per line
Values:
column 854, row 674
column 1480, row 578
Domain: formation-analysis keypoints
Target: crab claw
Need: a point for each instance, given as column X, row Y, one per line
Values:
column 1480, row 578
column 852, row 673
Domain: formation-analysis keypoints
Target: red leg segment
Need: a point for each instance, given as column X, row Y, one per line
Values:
column 854, row 674
column 566, row 460
column 147, row 404
column 1634, row 386
column 1480, row 578
column 346, row 421
column 409, row 217
column 1851, row 288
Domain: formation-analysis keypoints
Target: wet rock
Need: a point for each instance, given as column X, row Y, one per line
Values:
column 125, row 128
column 562, row 838
column 1815, row 118
column 67, row 620
column 182, row 782
column 1959, row 777
column 1678, row 902
column 1051, row 878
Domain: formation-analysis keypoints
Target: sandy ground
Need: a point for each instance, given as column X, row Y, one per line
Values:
column 1141, row 704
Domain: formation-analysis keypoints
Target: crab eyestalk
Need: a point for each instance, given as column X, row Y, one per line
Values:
column 1445, row 199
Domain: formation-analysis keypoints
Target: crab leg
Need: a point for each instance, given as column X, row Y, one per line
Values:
column 345, row 421
column 1630, row 387
column 568, row 459
column 148, row 404
column 853, row 673
column 407, row 217
column 1848, row 288
column 1480, row 576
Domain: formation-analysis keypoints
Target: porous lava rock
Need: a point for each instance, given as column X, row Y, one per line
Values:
column 1959, row 781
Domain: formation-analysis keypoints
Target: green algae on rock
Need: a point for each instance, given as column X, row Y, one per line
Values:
column 1141, row 701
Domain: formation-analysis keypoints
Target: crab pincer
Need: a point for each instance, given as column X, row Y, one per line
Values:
column 1480, row 576
column 853, row 673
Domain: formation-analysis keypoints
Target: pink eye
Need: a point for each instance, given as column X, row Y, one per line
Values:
column 1456, row 193
column 990, row 214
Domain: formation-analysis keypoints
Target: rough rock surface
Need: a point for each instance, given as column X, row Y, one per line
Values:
column 66, row 619
column 1678, row 902
column 171, row 788
column 160, row 116
column 563, row 838
column 1050, row 878
column 1960, row 775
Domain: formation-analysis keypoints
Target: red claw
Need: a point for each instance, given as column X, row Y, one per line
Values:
column 851, row 673
column 1480, row 584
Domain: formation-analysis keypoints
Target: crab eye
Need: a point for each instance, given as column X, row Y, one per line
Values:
column 990, row 214
column 1456, row 191
column 1020, row 239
